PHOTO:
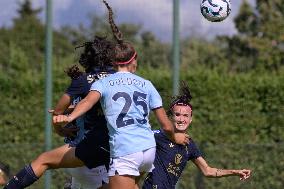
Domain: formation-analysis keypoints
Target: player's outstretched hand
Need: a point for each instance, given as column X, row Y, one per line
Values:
column 181, row 138
column 243, row 173
column 69, row 110
column 60, row 120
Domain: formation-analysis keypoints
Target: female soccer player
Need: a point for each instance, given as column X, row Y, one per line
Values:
column 171, row 158
column 126, row 100
column 92, row 151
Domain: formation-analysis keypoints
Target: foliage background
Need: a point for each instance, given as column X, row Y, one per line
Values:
column 237, row 83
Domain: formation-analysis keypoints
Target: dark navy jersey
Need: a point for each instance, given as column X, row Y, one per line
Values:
column 170, row 161
column 93, row 147
column 94, row 118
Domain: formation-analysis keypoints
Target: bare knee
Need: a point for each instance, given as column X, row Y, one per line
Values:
column 43, row 160
column 41, row 164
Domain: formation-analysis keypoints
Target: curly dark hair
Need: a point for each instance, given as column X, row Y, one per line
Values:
column 124, row 51
column 183, row 99
column 73, row 72
column 98, row 54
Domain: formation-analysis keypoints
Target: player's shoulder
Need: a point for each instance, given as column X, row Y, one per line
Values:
column 78, row 84
column 192, row 143
column 143, row 79
column 81, row 77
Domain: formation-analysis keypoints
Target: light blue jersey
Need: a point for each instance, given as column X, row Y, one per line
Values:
column 127, row 100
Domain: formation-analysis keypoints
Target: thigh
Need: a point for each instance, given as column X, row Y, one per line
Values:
column 61, row 157
column 67, row 159
column 122, row 181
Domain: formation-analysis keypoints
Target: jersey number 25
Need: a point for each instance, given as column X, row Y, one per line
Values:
column 128, row 101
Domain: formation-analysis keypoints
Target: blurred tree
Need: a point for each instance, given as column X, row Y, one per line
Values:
column 26, row 10
column 199, row 52
column 246, row 21
column 75, row 35
column 28, row 34
column 260, row 43
column 152, row 52
column 81, row 33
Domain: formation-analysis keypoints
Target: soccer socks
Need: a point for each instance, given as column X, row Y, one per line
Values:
column 22, row 179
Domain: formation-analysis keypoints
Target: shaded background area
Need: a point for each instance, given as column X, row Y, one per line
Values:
column 236, row 79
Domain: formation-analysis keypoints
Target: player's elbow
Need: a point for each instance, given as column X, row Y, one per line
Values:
column 208, row 172
column 167, row 128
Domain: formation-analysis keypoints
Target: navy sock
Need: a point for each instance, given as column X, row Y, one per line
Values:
column 22, row 179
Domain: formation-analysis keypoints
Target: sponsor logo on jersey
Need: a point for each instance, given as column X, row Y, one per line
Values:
column 102, row 75
column 171, row 145
column 91, row 78
column 173, row 169
column 94, row 77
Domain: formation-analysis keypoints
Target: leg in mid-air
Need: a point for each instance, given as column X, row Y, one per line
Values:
column 62, row 157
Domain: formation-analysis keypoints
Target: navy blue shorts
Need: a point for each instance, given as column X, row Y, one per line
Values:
column 93, row 150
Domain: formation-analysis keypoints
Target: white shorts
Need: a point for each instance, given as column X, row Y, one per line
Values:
column 133, row 164
column 85, row 178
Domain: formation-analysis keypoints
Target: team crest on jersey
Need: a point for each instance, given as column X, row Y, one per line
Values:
column 155, row 186
column 178, row 159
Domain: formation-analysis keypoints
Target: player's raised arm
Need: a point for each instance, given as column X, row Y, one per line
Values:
column 85, row 104
column 82, row 107
column 215, row 172
column 62, row 104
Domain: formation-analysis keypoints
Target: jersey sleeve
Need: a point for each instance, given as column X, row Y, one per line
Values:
column 155, row 98
column 194, row 151
column 98, row 86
